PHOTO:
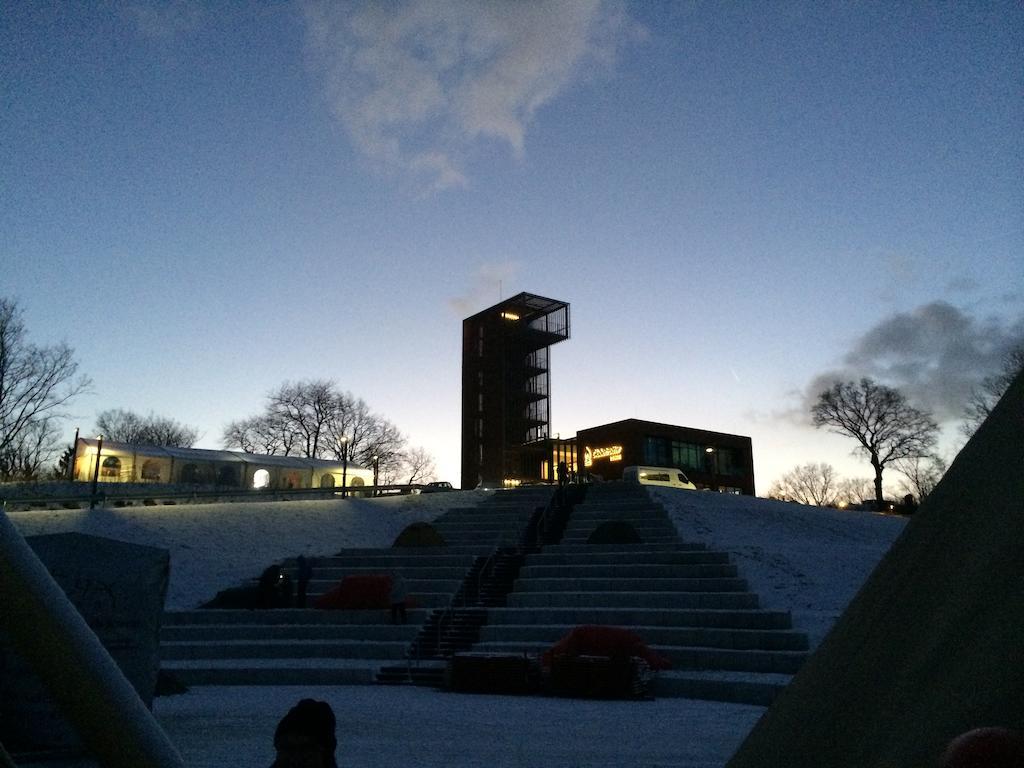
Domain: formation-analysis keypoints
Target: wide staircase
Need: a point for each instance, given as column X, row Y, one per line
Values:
column 512, row 578
column 686, row 602
column 295, row 646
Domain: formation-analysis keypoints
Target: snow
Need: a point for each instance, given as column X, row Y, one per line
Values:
column 808, row 560
column 804, row 559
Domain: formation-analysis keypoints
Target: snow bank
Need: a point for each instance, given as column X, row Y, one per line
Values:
column 215, row 546
column 809, row 560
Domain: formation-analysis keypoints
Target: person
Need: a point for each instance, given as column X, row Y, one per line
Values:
column 397, row 598
column 563, row 473
column 275, row 588
column 305, row 737
column 304, row 572
column 989, row 747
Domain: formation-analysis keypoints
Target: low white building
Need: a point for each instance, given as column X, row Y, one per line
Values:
column 127, row 463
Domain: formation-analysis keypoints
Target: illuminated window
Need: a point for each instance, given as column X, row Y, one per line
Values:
column 151, row 471
column 260, row 478
column 110, row 468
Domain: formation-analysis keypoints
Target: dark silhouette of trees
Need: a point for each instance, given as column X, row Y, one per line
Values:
column 985, row 396
column 315, row 419
column 922, row 474
column 129, row 427
column 812, row 484
column 35, row 385
column 879, row 418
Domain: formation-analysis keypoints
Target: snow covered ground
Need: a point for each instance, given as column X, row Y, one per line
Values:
column 808, row 560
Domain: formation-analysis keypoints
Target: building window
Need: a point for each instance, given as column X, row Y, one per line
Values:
column 110, row 468
column 151, row 471
column 327, row 480
column 687, row 455
column 260, row 478
column 227, row 476
column 656, row 453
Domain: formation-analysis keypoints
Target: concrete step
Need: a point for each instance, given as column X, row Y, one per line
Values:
column 697, row 637
column 578, row 547
column 287, row 616
column 723, row 584
column 385, row 562
column 664, row 599
column 408, row 572
column 591, row 513
column 682, row 658
column 284, row 649
column 622, row 570
column 414, row 586
column 273, row 672
column 647, row 617
column 759, row 688
column 550, row 557
column 670, row 541
column 217, row 632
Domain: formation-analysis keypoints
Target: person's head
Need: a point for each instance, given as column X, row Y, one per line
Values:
column 305, row 736
column 985, row 748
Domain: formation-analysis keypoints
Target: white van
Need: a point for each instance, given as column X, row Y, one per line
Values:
column 666, row 477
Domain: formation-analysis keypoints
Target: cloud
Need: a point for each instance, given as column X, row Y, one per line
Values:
column 935, row 354
column 419, row 84
column 490, row 284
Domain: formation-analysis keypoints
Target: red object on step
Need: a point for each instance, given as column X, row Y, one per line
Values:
column 612, row 642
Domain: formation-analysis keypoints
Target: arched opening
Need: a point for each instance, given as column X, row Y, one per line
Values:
column 260, row 479
column 151, row 471
column 195, row 474
column 227, row 476
column 291, row 479
column 356, row 481
column 327, row 480
column 110, row 469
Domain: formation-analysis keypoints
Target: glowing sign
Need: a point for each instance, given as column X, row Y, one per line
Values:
column 611, row 452
column 510, row 315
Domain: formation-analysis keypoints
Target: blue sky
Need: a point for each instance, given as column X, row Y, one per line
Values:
column 735, row 199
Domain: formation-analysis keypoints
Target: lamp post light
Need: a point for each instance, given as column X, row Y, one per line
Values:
column 712, row 455
column 376, row 472
column 96, row 472
column 344, row 467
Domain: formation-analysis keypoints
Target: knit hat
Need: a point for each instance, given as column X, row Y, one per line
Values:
column 313, row 719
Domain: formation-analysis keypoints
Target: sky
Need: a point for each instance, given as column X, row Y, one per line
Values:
column 737, row 201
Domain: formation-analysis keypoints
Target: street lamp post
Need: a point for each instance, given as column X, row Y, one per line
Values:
column 344, row 467
column 376, row 471
column 713, row 464
column 96, row 472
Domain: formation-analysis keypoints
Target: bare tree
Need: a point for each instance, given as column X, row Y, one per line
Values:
column 852, row 491
column 985, row 396
column 419, row 466
column 922, row 474
column 35, row 385
column 879, row 418
column 128, row 427
column 385, row 445
column 813, row 484
column 305, row 408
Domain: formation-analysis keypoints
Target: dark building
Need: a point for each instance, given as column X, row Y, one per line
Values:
column 711, row 460
column 506, row 383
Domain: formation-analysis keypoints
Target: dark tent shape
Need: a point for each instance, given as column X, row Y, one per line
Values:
column 419, row 535
column 615, row 532
column 931, row 646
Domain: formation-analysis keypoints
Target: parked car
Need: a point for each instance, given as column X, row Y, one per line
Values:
column 668, row 477
column 438, row 486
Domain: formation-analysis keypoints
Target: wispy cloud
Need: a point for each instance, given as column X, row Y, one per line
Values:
column 418, row 84
column 489, row 284
column 935, row 354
